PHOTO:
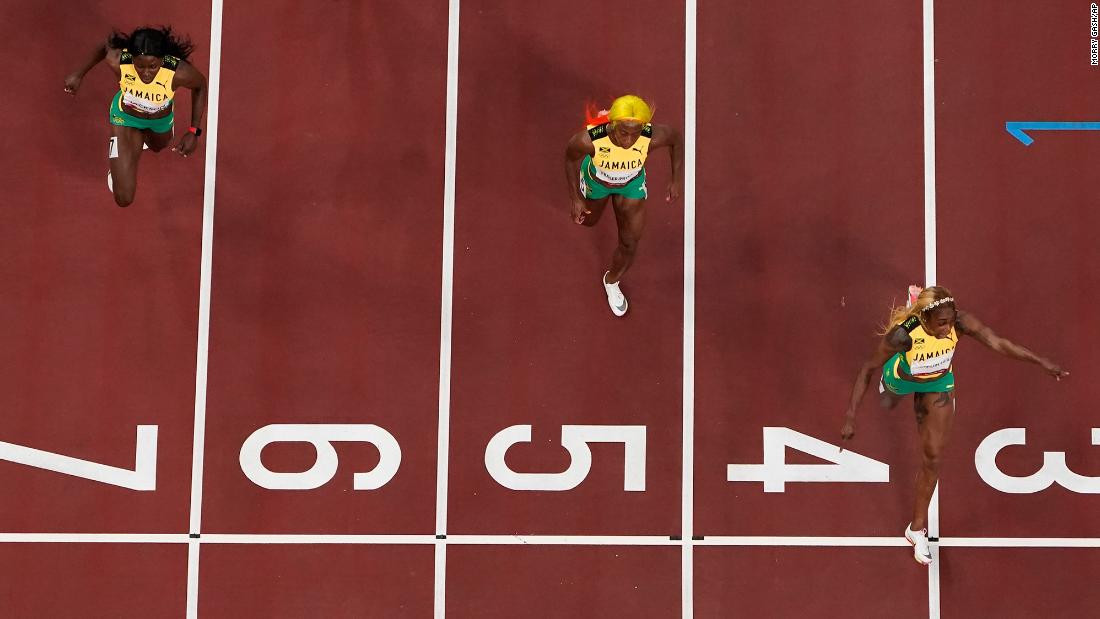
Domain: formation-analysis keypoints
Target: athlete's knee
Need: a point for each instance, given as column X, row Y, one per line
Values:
column 628, row 243
column 124, row 197
column 932, row 458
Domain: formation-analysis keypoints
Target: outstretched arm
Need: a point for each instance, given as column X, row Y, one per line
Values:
column 579, row 146
column 187, row 76
column 969, row 325
column 72, row 80
column 893, row 342
column 663, row 136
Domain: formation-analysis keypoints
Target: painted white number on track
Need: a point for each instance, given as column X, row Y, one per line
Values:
column 321, row 436
column 143, row 477
column 1054, row 469
column 847, row 466
column 575, row 439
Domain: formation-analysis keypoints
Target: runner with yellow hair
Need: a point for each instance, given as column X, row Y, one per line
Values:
column 915, row 355
column 608, row 159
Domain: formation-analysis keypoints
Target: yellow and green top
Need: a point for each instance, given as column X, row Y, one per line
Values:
column 149, row 98
column 929, row 357
column 614, row 165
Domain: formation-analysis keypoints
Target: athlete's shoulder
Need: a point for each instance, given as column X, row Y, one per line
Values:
column 967, row 324
column 662, row 135
column 897, row 338
column 910, row 323
column 597, row 132
column 170, row 62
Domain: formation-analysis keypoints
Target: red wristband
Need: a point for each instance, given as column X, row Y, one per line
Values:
column 196, row 131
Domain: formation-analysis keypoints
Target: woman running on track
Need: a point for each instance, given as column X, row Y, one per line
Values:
column 609, row 161
column 150, row 63
column 915, row 357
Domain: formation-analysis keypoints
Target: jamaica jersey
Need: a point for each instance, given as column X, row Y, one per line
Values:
column 614, row 165
column 930, row 357
column 148, row 98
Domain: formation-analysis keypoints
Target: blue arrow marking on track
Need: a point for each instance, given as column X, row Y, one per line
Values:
column 1017, row 128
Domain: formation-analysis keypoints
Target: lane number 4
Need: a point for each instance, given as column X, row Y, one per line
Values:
column 846, row 466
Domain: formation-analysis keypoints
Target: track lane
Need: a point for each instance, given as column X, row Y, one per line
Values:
column 534, row 340
column 325, row 304
column 810, row 221
column 97, row 328
column 1017, row 248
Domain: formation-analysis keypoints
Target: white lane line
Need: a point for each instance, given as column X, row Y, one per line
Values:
column 687, row 508
column 193, row 547
column 94, row 538
column 934, row 582
column 929, row 61
column 445, row 312
column 563, row 540
column 929, row 147
column 207, row 261
column 293, row 538
column 796, row 540
column 440, row 578
column 1021, row 542
column 556, row 540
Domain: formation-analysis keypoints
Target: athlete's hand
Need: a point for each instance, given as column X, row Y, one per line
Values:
column 673, row 192
column 849, row 429
column 580, row 211
column 72, row 83
column 1052, row 368
column 186, row 145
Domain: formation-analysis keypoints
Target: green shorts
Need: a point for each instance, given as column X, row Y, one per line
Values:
column 899, row 386
column 122, row 119
column 593, row 189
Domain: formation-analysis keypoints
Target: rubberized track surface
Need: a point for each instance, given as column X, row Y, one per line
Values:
column 333, row 229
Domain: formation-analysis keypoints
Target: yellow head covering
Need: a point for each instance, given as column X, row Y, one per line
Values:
column 630, row 107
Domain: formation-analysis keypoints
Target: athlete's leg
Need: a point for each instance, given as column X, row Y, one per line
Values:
column 596, row 208
column 935, row 415
column 125, row 152
column 156, row 141
column 889, row 400
column 630, row 217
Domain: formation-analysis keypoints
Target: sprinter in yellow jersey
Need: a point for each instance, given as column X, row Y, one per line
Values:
column 605, row 163
column 915, row 356
column 150, row 64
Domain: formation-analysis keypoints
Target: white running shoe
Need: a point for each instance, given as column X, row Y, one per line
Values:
column 919, row 540
column 615, row 297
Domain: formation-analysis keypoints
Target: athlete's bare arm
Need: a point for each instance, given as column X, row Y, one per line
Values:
column 897, row 340
column 663, row 136
column 968, row 324
column 95, row 56
column 114, row 61
column 187, row 76
column 579, row 146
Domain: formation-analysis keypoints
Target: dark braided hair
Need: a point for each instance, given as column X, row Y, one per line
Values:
column 152, row 41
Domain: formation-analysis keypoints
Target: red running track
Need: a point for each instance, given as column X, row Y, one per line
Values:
column 326, row 309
